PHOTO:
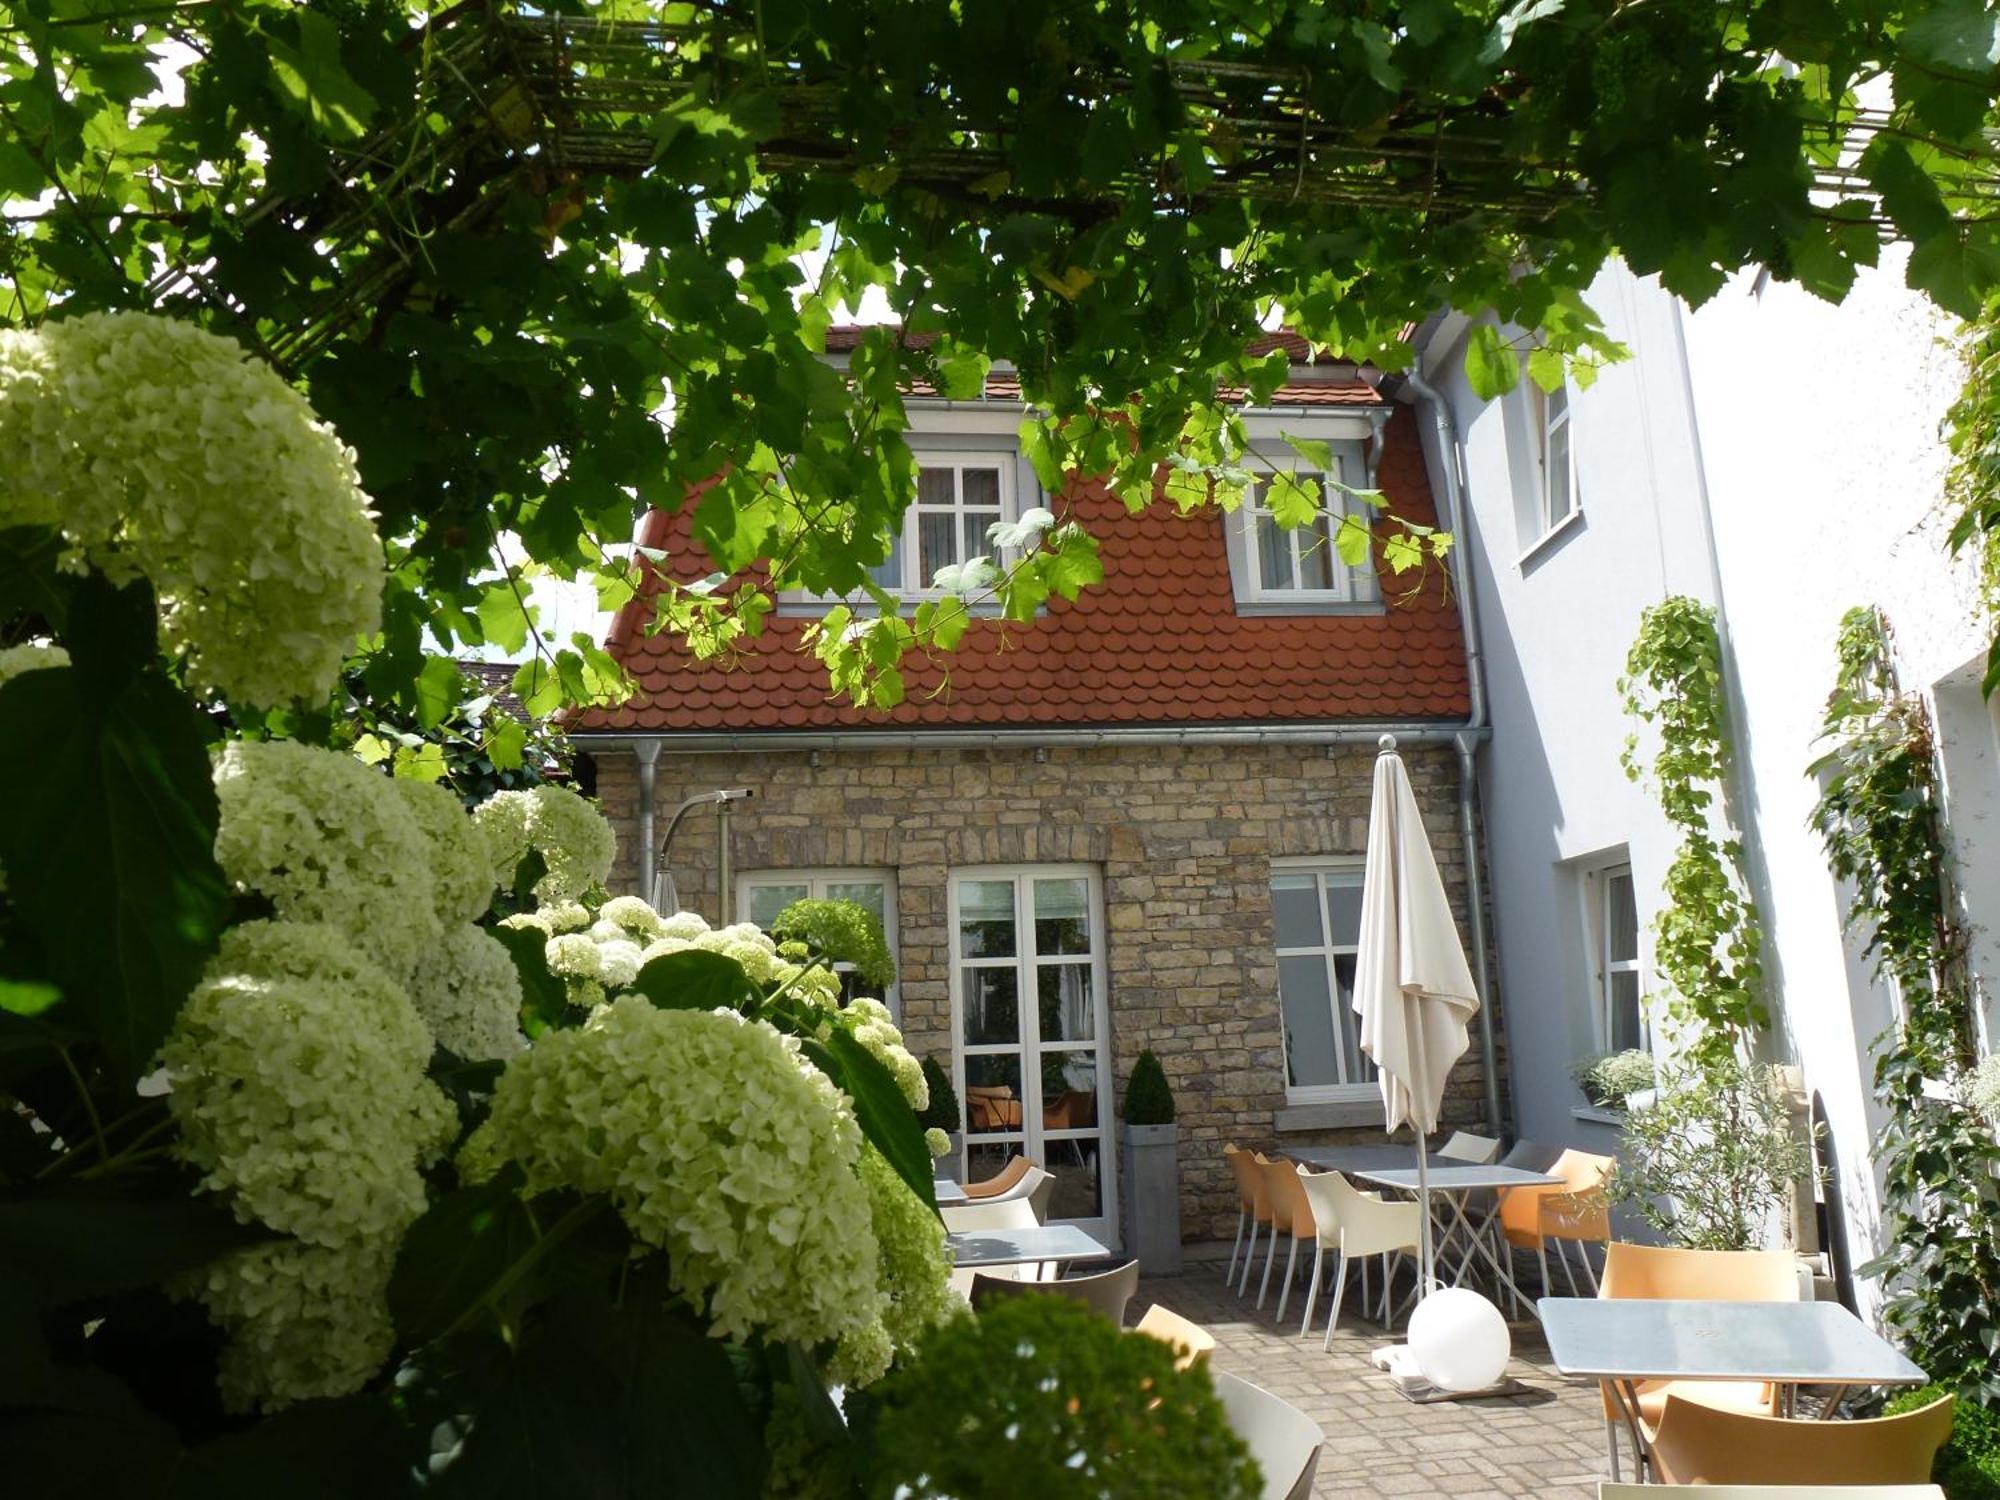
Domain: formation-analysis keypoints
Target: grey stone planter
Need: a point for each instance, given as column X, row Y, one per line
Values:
column 1152, row 1196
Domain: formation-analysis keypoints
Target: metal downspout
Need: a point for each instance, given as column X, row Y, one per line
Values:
column 1451, row 457
column 647, row 752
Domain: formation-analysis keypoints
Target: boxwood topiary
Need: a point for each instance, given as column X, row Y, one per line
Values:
column 1148, row 1100
column 942, row 1112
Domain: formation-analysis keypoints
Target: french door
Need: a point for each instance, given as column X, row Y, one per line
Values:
column 1030, row 1020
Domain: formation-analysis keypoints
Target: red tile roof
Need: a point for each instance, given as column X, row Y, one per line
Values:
column 1159, row 642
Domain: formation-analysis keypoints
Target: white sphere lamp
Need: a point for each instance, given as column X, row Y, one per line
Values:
column 1459, row 1340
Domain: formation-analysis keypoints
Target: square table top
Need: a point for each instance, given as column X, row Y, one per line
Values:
column 1362, row 1158
column 977, row 1248
column 1789, row 1343
column 1458, row 1177
column 947, row 1191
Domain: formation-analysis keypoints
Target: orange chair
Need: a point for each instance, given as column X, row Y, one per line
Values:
column 992, row 1107
column 1662, row 1272
column 1290, row 1214
column 1246, row 1201
column 1000, row 1182
column 1250, row 1183
column 1701, row 1444
column 1577, row 1208
column 1192, row 1342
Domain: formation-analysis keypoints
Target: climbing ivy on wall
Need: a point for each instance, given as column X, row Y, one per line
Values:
column 1706, row 941
column 1879, row 817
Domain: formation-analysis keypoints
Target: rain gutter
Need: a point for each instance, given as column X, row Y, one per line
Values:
column 1457, row 520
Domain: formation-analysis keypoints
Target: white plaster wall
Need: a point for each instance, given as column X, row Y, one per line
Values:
column 1557, row 623
column 1819, row 428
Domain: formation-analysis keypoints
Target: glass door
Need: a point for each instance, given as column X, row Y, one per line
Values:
column 1029, row 1014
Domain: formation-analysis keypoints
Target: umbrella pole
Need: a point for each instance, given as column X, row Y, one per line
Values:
column 1424, row 1267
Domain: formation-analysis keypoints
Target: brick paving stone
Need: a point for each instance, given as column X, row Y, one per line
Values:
column 1548, row 1443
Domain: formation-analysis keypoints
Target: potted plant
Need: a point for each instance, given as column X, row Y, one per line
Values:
column 1609, row 1080
column 1152, row 1169
column 942, row 1112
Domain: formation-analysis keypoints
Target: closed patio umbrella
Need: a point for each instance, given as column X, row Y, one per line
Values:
column 1412, row 989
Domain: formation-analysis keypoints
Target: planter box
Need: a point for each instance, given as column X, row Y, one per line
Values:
column 1152, row 1194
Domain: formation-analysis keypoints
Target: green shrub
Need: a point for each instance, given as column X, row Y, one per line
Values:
column 1148, row 1100
column 1042, row 1396
column 1968, row 1466
column 843, row 932
column 942, row 1112
column 1607, row 1080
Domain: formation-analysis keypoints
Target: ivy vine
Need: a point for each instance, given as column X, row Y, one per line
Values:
column 1706, row 938
column 1879, row 818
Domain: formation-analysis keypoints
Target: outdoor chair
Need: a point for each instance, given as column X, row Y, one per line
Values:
column 1107, row 1292
column 972, row 1218
column 1290, row 1214
column 992, row 1107
column 1701, row 1444
column 1665, row 1272
column 1250, row 1182
column 1285, row 1441
column 1354, row 1224
column 1577, row 1209
column 997, row 1185
column 1475, row 1150
column 1249, row 1188
column 1193, row 1342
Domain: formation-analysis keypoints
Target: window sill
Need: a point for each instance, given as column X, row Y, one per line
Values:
column 795, row 608
column 1549, row 540
column 1248, row 608
column 1598, row 1115
column 1338, row 1114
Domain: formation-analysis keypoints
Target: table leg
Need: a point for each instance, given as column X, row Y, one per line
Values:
column 1832, row 1403
column 1626, row 1394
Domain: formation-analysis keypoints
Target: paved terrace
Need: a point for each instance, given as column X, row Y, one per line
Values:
column 1548, row 1442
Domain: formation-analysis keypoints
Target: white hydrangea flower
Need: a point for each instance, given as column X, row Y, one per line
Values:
column 298, row 1086
column 529, row 921
column 875, row 1030
column 720, row 1144
column 327, row 840
column 156, row 448
column 685, row 925
column 633, row 916
column 661, row 947
column 468, row 992
column 574, row 956
column 573, row 838
column 937, row 1142
column 915, row 1275
column 461, row 862
column 566, row 916
column 14, row 660
column 622, row 961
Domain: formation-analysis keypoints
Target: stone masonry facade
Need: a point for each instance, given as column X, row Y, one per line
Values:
column 1183, row 836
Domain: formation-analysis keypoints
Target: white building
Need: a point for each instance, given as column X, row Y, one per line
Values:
column 1778, row 458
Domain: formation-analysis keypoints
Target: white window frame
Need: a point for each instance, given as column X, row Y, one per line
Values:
column 1352, row 585
column 1597, row 888
column 1346, row 870
column 908, row 586
column 1030, row 1138
column 1553, row 418
column 818, row 882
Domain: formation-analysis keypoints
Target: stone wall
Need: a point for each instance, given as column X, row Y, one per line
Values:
column 1184, row 837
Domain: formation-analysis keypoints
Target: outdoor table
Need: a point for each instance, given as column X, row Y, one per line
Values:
column 1354, row 1160
column 1456, row 1182
column 948, row 1192
column 1620, row 1341
column 977, row 1249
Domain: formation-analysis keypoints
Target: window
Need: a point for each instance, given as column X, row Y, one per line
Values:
column 1303, row 564
column 959, row 497
column 762, row 895
column 1620, row 1013
column 1557, row 456
column 1316, row 909
column 1029, row 1016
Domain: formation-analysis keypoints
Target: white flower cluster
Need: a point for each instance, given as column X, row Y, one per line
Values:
column 328, row 840
column 937, row 1142
column 915, row 1275
column 720, row 1144
column 14, row 660
column 875, row 1029
column 1985, row 1090
column 155, row 448
column 572, row 837
column 468, row 993
column 298, row 1085
column 461, row 862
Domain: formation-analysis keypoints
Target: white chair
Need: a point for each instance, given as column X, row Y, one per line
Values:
column 1285, row 1441
column 1474, row 1150
column 1004, row 1213
column 1032, row 1185
column 1352, row 1223
column 1107, row 1292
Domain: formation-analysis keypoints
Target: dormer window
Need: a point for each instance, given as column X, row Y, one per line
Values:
column 1300, row 567
column 959, row 498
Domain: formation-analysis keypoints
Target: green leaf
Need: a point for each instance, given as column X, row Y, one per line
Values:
column 508, row 742
column 1292, row 499
column 317, row 1450
column 884, row 1115
column 544, row 998
column 30, row 583
column 696, row 979
column 27, row 997
column 1546, row 368
column 440, row 686
column 109, row 827
column 1909, row 195
column 312, row 76
column 1957, row 268
column 502, row 619
column 1961, row 35
column 1353, row 540
column 1491, row 364
column 72, row 1240
column 1317, row 452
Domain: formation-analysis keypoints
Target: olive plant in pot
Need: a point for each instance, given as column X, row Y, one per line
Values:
column 1151, row 1144
column 942, row 1113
